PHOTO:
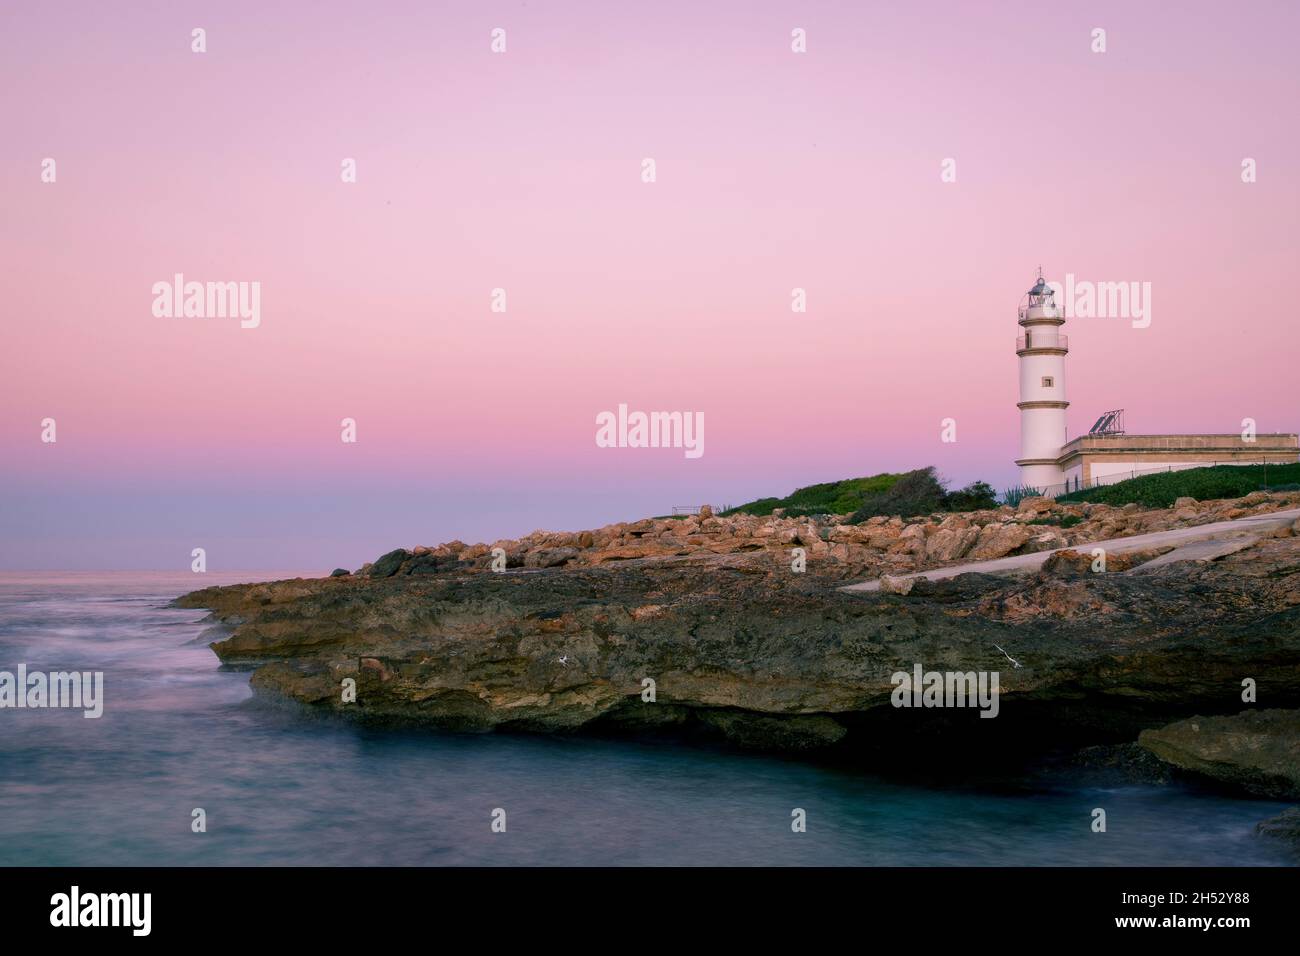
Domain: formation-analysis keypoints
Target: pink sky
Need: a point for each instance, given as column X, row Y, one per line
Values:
column 522, row 171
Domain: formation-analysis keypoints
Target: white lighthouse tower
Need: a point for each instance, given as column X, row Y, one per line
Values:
column 1042, row 349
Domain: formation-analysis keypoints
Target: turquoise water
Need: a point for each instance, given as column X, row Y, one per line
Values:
column 281, row 786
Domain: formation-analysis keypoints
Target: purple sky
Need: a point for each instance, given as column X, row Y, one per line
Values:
column 523, row 171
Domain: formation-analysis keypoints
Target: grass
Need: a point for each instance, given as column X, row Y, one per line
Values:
column 828, row 498
column 1203, row 484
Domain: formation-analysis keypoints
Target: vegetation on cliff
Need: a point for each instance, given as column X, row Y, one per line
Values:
column 827, row 498
column 1217, row 481
column 885, row 495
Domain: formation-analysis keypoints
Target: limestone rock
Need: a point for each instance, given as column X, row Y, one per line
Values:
column 1257, row 751
column 738, row 644
column 949, row 544
column 550, row 557
column 1035, row 504
column 897, row 585
column 999, row 540
column 1045, row 541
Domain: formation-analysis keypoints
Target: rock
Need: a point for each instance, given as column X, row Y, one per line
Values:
column 949, row 544
column 739, row 645
column 1046, row 541
column 387, row 565
column 706, row 511
column 999, row 540
column 1069, row 563
column 1257, row 751
column 431, row 562
column 1184, row 502
column 550, row 557
column 340, row 573
column 1284, row 827
column 1118, row 765
column 897, row 585
column 1035, row 504
column 758, row 732
column 1066, row 564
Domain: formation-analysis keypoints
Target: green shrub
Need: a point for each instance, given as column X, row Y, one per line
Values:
column 829, row 498
column 907, row 495
column 1162, row 489
column 915, row 493
column 976, row 496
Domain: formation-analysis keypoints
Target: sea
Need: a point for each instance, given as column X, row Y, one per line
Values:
column 182, row 740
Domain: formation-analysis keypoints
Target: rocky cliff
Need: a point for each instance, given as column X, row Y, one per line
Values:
column 700, row 625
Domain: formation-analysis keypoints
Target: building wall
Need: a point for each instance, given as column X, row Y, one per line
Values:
column 1103, row 456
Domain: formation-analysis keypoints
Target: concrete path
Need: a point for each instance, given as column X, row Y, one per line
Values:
column 1201, row 542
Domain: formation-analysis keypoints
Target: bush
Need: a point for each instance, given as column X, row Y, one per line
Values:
column 829, row 498
column 915, row 493
column 1217, row 481
column 974, row 497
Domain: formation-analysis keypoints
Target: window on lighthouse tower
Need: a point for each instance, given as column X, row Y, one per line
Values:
column 1048, row 381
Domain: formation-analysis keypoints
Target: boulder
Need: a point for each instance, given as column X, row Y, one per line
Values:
column 1035, row 504
column 431, row 562
column 549, row 557
column 949, row 544
column 1257, row 751
column 1184, row 502
column 1284, row 827
column 388, row 564
column 999, row 540
column 340, row 573
column 1046, row 541
column 893, row 585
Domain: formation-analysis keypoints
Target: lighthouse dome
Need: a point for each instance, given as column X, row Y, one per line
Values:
column 1041, row 287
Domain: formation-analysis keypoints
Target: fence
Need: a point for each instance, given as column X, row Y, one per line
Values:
column 1065, row 488
column 695, row 509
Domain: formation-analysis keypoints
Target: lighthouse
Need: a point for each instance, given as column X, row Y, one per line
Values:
column 1041, row 349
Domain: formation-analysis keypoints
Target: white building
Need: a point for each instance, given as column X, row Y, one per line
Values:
column 1052, row 463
